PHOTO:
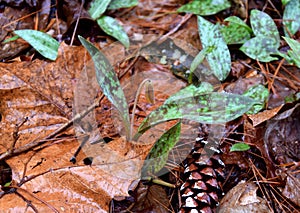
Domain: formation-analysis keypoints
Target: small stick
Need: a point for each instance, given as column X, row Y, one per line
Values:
column 138, row 92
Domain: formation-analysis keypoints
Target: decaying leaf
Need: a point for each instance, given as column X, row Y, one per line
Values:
column 243, row 198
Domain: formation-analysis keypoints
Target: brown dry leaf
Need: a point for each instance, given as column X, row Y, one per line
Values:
column 292, row 188
column 282, row 136
column 243, row 199
column 151, row 198
column 264, row 116
column 43, row 92
column 9, row 14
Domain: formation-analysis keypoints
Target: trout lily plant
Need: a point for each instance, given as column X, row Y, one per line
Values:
column 194, row 103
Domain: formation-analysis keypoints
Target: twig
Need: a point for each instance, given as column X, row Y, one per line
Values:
column 77, row 21
column 183, row 20
column 138, row 92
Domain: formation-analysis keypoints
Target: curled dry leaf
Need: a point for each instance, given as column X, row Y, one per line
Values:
column 243, row 198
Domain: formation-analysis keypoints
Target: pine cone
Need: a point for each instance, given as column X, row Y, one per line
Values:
column 202, row 175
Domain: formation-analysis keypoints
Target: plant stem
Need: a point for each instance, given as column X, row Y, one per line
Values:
column 138, row 92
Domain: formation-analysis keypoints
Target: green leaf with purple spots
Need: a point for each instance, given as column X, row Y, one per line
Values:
column 108, row 82
column 218, row 58
column 291, row 18
column 211, row 108
column 258, row 93
column 294, row 53
column 263, row 25
column 261, row 48
column 42, row 42
column 116, row 4
column 110, row 26
column 159, row 153
column 98, row 7
column 267, row 40
column 204, row 7
column 236, row 32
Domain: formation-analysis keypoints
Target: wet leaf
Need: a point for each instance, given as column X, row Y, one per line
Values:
column 212, row 108
column 258, row 93
column 98, row 7
column 159, row 153
column 267, row 38
column 116, row 4
column 239, row 147
column 291, row 18
column 219, row 58
column 42, row 42
column 114, row 29
column 204, row 7
column 108, row 82
column 295, row 52
column 237, row 32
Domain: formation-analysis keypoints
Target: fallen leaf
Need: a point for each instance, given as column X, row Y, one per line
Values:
column 264, row 115
column 243, row 198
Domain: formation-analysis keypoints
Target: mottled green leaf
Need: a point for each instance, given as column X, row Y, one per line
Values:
column 239, row 147
column 219, row 58
column 116, row 4
column 42, row 42
column 263, row 25
column 98, row 7
column 260, row 48
column 159, row 153
column 236, row 32
column 295, row 52
column 284, row 2
column 191, row 91
column 212, row 108
column 112, row 28
column 291, row 18
column 197, row 61
column 11, row 39
column 109, row 82
column 267, row 38
column 236, row 20
column 258, row 93
column 204, row 7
